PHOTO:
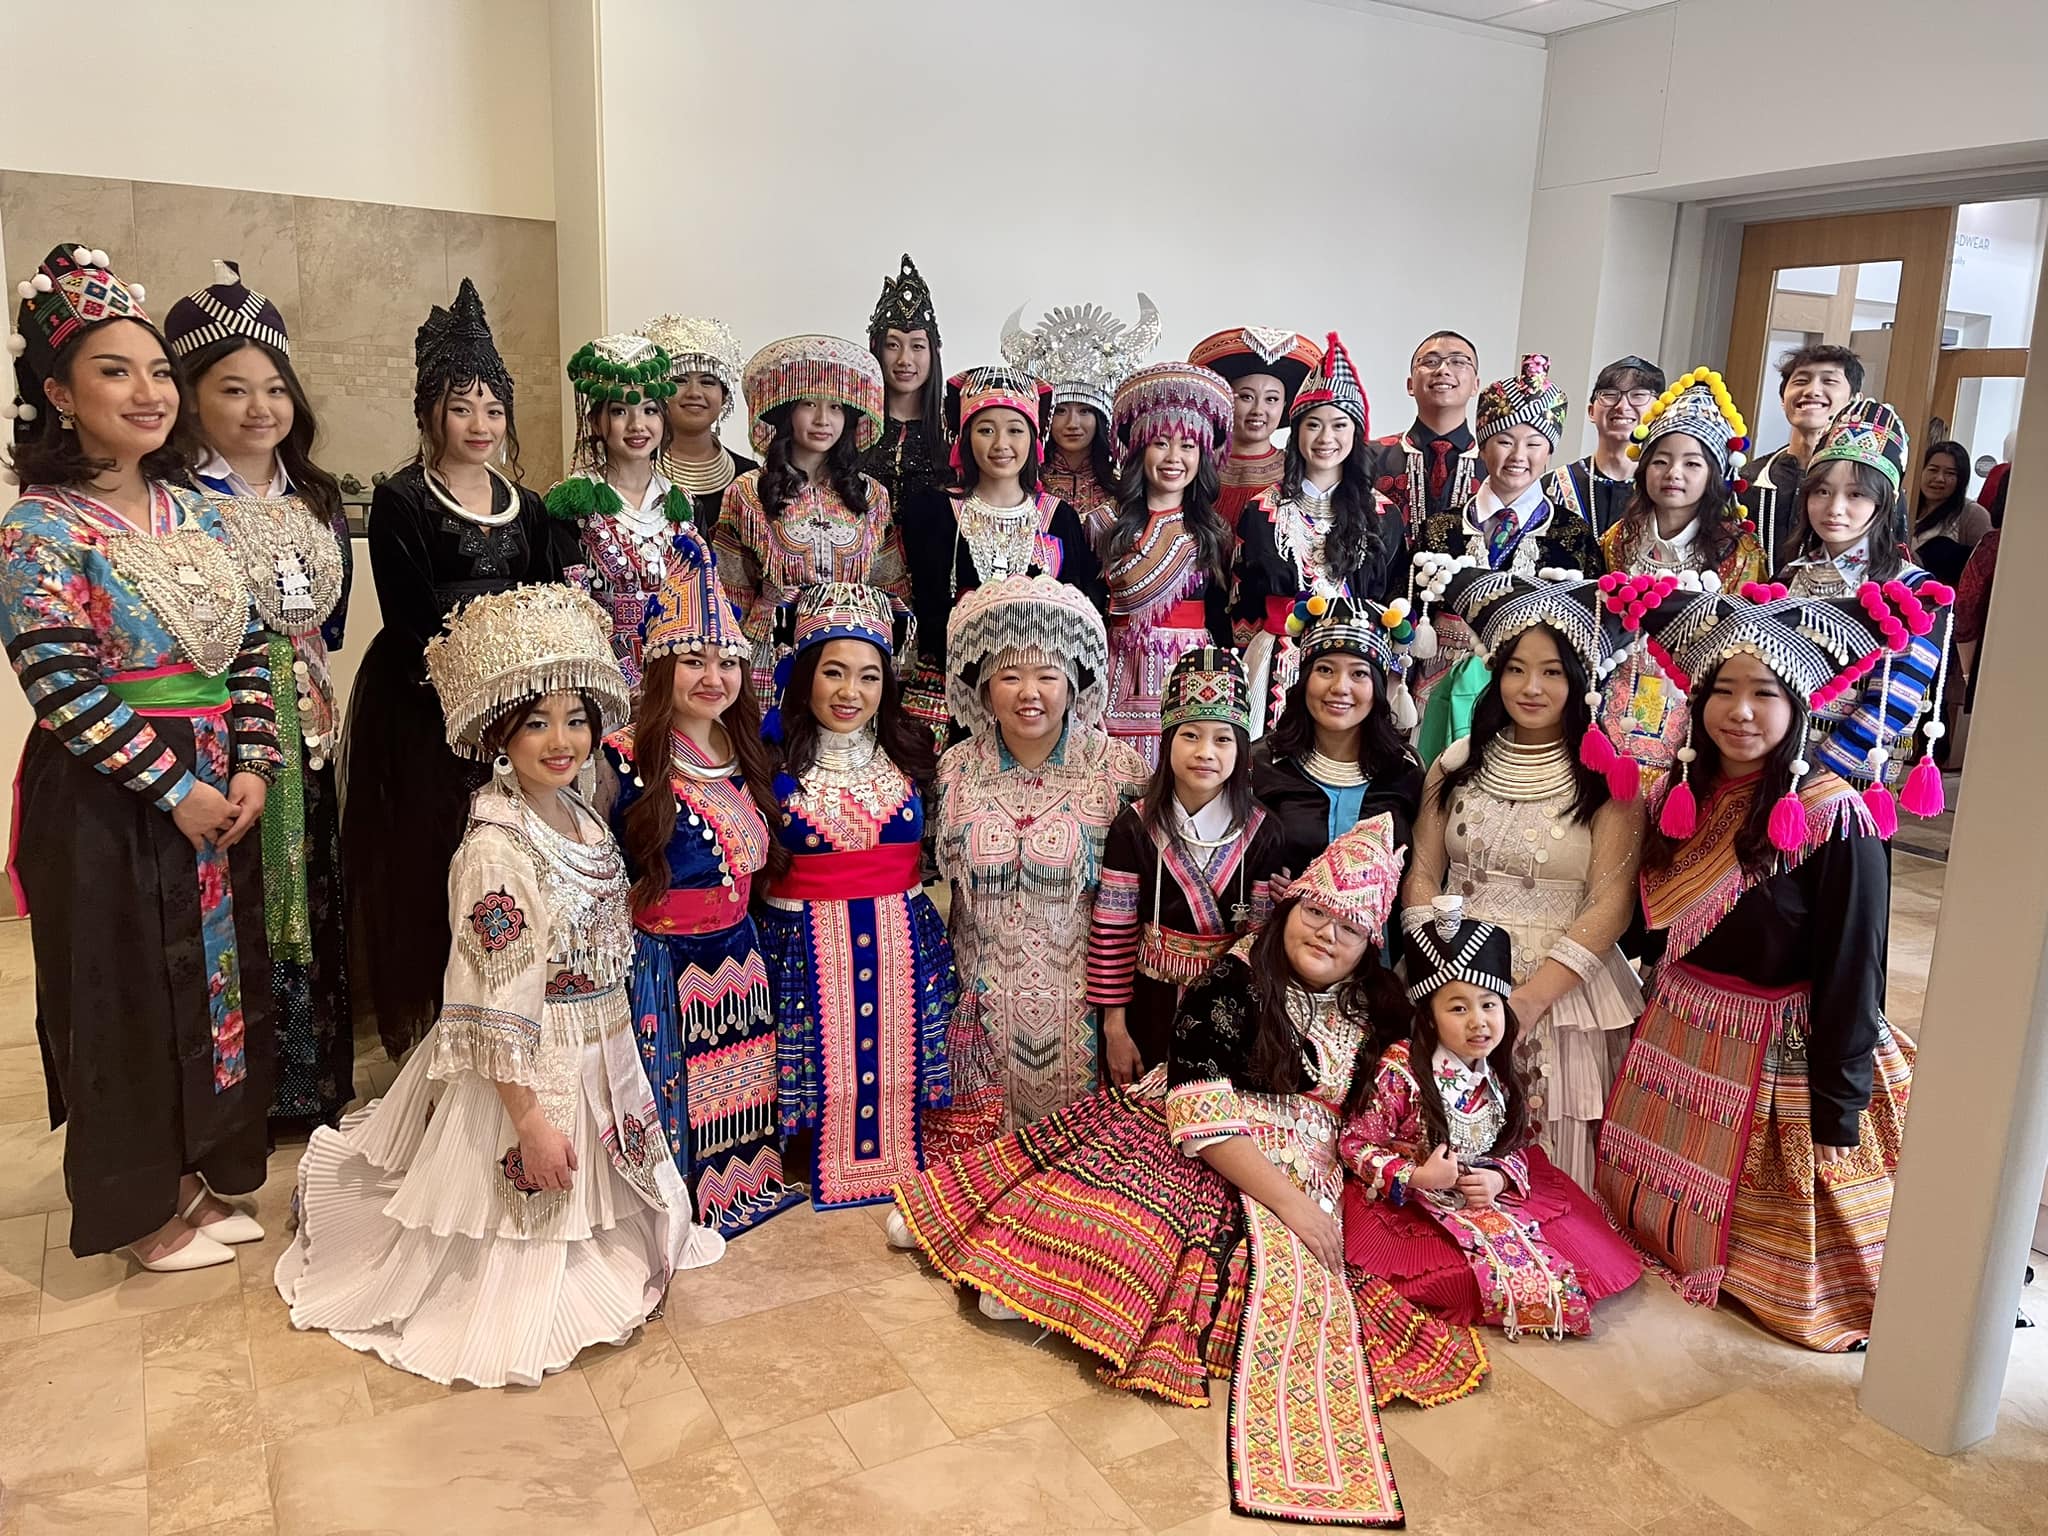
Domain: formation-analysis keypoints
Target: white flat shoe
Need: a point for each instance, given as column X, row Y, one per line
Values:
column 899, row 1233
column 235, row 1227
column 202, row 1252
column 996, row 1312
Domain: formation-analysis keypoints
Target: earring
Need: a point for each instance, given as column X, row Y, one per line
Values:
column 65, row 420
column 502, row 774
column 586, row 779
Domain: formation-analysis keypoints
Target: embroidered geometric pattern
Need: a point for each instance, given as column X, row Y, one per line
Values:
column 496, row 921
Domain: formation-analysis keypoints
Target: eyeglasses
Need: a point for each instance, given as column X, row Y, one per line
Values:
column 1318, row 917
column 1436, row 362
column 1609, row 398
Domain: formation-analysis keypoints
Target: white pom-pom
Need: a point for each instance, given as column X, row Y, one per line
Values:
column 1877, row 754
column 100, row 258
column 1710, row 581
column 1401, row 706
column 16, row 343
column 1399, row 607
column 1800, row 767
column 25, row 412
column 135, row 291
column 1688, row 754
column 42, row 282
column 1737, row 460
column 82, row 254
column 25, row 289
column 1593, row 700
column 1934, row 730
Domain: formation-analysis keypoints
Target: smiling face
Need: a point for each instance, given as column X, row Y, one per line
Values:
column 1443, row 375
column 697, row 404
column 1325, row 435
column 1000, row 440
column 1515, row 458
column 1074, row 426
column 1323, row 948
column 1171, row 462
column 1675, row 472
column 906, row 360
column 472, row 427
column 1339, row 691
column 551, row 743
column 706, row 683
column 815, row 425
column 1029, row 701
column 1813, row 394
column 1839, row 506
column 1938, row 479
column 632, row 433
column 122, row 390
column 1256, row 405
column 1534, row 685
column 1748, row 713
column 847, row 688
column 1614, row 411
column 245, row 406
column 1470, row 1020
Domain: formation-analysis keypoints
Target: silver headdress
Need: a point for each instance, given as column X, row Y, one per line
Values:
column 1081, row 351
column 509, row 648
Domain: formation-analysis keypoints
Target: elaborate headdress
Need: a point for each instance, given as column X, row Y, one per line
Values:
column 506, row 649
column 1453, row 947
column 625, row 369
column 1028, row 619
column 1326, row 623
column 1699, row 405
column 1528, row 399
column 71, row 291
column 1164, row 397
column 1865, row 431
column 843, row 610
column 1286, row 355
column 814, row 368
column 1207, row 683
column 699, row 344
column 691, row 612
column 1356, row 876
column 454, row 351
column 975, row 390
column 1082, row 351
column 227, row 307
column 1333, row 381
column 905, row 305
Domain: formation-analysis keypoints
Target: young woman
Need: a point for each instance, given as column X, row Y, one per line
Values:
column 623, row 509
column 1452, row 1202
column 1188, row 1228
column 1264, row 368
column 1003, row 523
column 1186, row 868
column 1532, row 839
column 512, row 1200
column 1683, row 520
column 1081, row 352
column 694, row 802
column 137, row 799
column 908, row 454
column 1947, row 525
column 452, row 525
column 807, row 514
column 857, row 954
column 1855, row 533
column 1166, row 557
column 1020, row 814
column 1770, row 882
column 286, row 525
column 1323, row 526
column 704, row 362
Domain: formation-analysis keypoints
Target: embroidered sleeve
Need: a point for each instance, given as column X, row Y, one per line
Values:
column 1610, row 888
column 890, row 571
column 1263, row 857
column 1211, row 1044
column 737, row 542
column 252, row 712
column 47, row 601
column 1893, row 697
column 1377, row 1143
column 1113, row 932
column 1512, row 1166
column 491, row 1017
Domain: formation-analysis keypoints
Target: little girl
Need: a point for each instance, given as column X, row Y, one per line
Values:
column 1451, row 1200
column 1186, row 866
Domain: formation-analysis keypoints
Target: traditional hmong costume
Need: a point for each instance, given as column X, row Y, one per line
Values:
column 405, row 793
column 905, row 455
column 1161, row 601
column 1427, row 474
column 1234, row 354
column 767, row 557
column 422, row 1239
column 701, row 1001
column 1536, row 1259
column 857, row 954
column 148, row 674
column 700, row 344
column 297, row 569
column 1582, row 487
column 1103, row 1223
column 1768, row 1007
column 1022, row 849
column 1772, row 502
column 1174, row 900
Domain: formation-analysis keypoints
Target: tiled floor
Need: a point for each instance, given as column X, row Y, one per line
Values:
column 814, row 1381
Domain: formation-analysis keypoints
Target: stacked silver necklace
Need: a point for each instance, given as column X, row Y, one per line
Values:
column 1000, row 540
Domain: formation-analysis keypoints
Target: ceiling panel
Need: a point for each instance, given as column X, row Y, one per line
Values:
column 1536, row 16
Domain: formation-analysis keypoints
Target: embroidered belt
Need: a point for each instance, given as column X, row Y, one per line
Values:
column 1167, row 954
column 1188, row 613
column 888, row 870
column 706, row 910
column 175, row 690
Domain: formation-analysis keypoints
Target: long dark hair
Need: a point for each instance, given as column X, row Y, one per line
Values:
column 320, row 491
column 908, row 744
column 651, row 820
column 50, row 454
column 1101, row 452
column 1753, row 846
column 1372, row 991
column 1490, row 718
column 1198, row 515
column 432, row 414
column 781, row 480
column 1925, row 517
column 970, row 467
column 1237, row 792
column 1429, row 1099
column 1381, row 749
column 1718, row 518
column 1887, row 536
column 1353, row 540
column 932, row 407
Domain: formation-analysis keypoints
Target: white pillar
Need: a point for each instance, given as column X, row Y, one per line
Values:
column 1977, row 1130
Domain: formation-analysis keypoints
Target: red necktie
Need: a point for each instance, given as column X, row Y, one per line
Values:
column 1439, row 470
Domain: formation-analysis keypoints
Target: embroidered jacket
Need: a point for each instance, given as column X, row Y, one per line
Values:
column 1895, row 695
column 1380, row 1144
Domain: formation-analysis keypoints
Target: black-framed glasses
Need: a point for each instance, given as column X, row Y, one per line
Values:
column 1610, row 398
column 1436, row 362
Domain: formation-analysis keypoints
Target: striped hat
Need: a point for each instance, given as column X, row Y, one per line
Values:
column 1453, row 947
column 1169, row 397
column 1333, row 381
column 1529, row 399
column 1207, row 683
column 814, row 368
column 227, row 307
column 1865, row 431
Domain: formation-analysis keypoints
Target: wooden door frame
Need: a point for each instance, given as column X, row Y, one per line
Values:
column 1921, row 240
column 1959, row 363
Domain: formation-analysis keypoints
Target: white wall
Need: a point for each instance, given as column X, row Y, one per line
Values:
column 1242, row 164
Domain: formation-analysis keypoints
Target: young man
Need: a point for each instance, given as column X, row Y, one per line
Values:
column 1265, row 367
column 1814, row 384
column 1598, row 486
column 1432, row 467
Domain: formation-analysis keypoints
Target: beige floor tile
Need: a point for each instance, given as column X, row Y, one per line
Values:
column 111, row 1509
column 392, row 1389
column 21, row 1274
column 748, row 1522
column 1109, row 1425
column 207, row 1327
column 283, row 1353
column 31, row 1108
column 979, row 1374
column 1927, row 1516
column 1512, row 1427
column 792, row 1457
column 772, row 1368
column 73, row 1409
column 1206, row 1429
column 1763, row 1461
column 2001, row 1482
column 905, row 1302
column 697, row 1487
column 80, row 1292
column 33, row 1157
column 887, row 1428
column 536, row 1460
column 798, row 1256
column 1015, row 1479
column 198, row 1495
column 1168, row 1484
column 647, row 1365
column 247, row 1525
column 307, row 1404
column 1224, row 1522
column 652, row 1430
column 198, row 1403
column 58, row 1233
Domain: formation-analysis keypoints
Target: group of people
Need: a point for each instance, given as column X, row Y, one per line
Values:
column 1390, row 887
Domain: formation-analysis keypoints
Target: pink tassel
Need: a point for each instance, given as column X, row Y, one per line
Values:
column 1624, row 777
column 1681, row 814
column 1788, row 823
column 1595, row 750
column 1884, row 810
column 1923, row 794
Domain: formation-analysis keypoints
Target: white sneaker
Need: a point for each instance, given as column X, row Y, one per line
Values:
column 202, row 1252
column 996, row 1312
column 899, row 1233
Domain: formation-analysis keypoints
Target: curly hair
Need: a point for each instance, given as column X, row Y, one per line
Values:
column 782, row 480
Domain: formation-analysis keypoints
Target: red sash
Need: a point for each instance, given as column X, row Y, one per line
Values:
column 1188, row 613
column 888, row 870
column 709, row 910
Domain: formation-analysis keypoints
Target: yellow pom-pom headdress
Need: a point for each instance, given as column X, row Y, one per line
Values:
column 1699, row 405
